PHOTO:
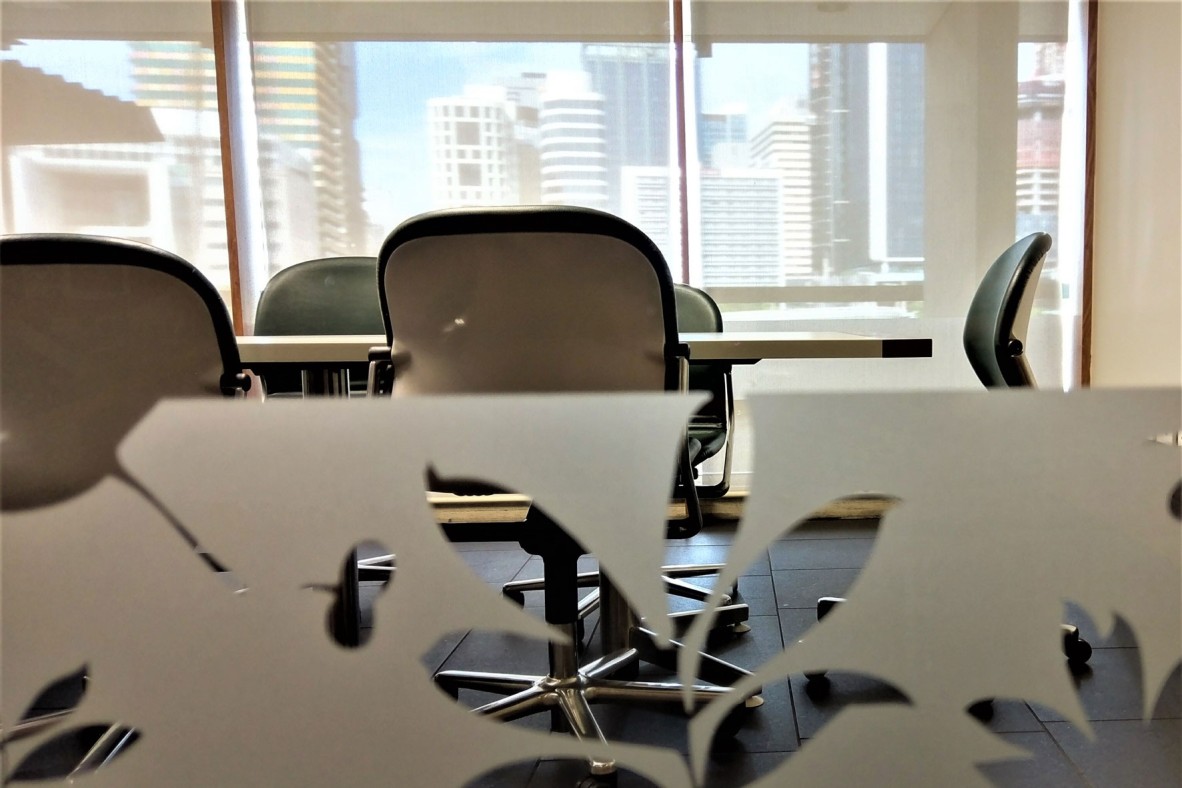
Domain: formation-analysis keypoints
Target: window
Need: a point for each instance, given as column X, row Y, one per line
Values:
column 815, row 166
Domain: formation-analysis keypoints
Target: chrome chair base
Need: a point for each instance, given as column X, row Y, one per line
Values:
column 569, row 689
column 730, row 613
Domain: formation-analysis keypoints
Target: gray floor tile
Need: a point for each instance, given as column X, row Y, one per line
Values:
column 1046, row 766
column 834, row 529
column 795, row 622
column 711, row 554
column 1013, row 716
column 803, row 587
column 1125, row 753
column 715, row 533
column 757, row 592
column 815, row 709
column 495, row 566
column 1120, row 636
column 820, row 553
column 1110, row 689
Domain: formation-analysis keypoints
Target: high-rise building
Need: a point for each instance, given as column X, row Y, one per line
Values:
column 784, row 146
column 738, row 242
column 1040, row 131
column 634, row 82
column 646, row 200
column 305, row 96
column 719, row 128
column 574, row 161
column 473, row 149
column 867, row 101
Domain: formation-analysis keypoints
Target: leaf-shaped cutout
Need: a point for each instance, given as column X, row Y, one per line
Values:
column 814, row 706
column 56, row 701
column 75, row 751
column 808, row 546
column 366, row 573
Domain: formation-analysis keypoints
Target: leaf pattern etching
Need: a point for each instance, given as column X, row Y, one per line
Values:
column 65, row 753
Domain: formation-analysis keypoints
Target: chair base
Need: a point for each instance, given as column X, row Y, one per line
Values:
column 569, row 690
column 729, row 615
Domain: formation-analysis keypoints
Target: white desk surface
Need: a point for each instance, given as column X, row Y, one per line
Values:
column 733, row 346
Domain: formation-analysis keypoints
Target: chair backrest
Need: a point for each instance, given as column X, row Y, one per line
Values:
column 332, row 295
column 527, row 299
column 93, row 332
column 697, row 312
column 995, row 331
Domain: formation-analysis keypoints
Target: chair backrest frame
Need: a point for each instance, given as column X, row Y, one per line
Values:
column 95, row 331
column 999, row 314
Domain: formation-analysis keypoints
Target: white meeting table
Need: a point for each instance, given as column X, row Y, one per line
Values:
column 329, row 354
column 735, row 347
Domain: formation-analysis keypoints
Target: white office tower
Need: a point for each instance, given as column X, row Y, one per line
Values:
column 647, row 200
column 734, row 237
column 783, row 146
column 472, row 149
column 573, row 146
column 740, row 228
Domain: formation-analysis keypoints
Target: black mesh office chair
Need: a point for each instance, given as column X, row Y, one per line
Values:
column 995, row 343
column 93, row 332
column 713, row 425
column 541, row 299
column 328, row 296
column 710, row 432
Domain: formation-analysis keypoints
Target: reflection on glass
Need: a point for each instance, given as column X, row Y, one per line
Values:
column 118, row 139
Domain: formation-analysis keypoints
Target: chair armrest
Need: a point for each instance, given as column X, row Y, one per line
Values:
column 233, row 385
column 383, row 367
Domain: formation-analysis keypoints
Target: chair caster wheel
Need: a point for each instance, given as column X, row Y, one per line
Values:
column 734, row 721
column 1080, row 652
column 817, row 686
column 1077, row 650
column 609, row 780
column 982, row 710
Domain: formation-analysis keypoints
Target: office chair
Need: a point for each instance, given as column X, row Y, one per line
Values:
column 331, row 295
column 713, row 425
column 995, row 342
column 541, row 299
column 710, row 431
column 93, row 332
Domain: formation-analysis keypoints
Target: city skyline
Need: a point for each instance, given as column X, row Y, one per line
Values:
column 393, row 140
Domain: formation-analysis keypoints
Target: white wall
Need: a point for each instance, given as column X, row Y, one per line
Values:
column 1137, row 263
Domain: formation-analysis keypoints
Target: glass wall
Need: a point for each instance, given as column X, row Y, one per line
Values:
column 116, row 137
column 851, row 166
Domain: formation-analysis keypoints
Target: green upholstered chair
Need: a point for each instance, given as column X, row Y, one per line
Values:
column 331, row 295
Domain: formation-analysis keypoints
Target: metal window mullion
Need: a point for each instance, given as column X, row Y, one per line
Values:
column 241, row 174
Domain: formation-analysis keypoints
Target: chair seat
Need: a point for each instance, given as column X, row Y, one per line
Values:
column 712, row 438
